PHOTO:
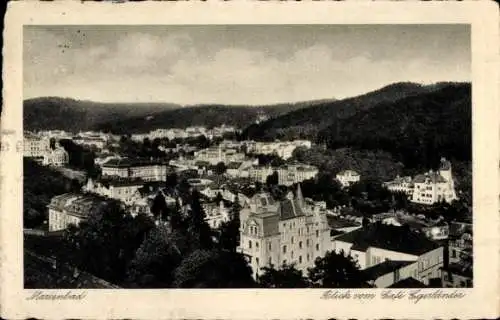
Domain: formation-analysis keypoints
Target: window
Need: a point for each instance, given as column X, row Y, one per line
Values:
column 307, row 242
column 256, row 245
column 317, row 246
column 269, row 246
column 257, row 260
column 270, row 260
column 250, row 244
column 284, row 249
column 453, row 253
column 300, row 244
column 292, row 239
column 317, row 233
column 292, row 254
column 307, row 257
column 300, row 259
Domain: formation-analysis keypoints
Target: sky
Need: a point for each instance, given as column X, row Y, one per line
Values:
column 237, row 64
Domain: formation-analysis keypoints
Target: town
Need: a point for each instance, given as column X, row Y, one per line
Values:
column 203, row 207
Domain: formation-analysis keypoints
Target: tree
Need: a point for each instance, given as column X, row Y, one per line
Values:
column 214, row 269
column 154, row 261
column 272, row 179
column 220, row 168
column 159, row 207
column 100, row 243
column 229, row 232
column 285, row 277
column 198, row 229
column 171, row 180
column 336, row 270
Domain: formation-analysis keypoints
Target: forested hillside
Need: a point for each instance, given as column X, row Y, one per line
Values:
column 416, row 130
column 306, row 123
column 75, row 115
column 205, row 115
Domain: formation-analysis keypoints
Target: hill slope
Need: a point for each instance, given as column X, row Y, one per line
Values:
column 204, row 115
column 306, row 123
column 417, row 129
column 75, row 115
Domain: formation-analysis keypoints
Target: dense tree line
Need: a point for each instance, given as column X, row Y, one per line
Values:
column 308, row 122
column 417, row 130
column 368, row 163
column 40, row 184
column 80, row 157
column 76, row 115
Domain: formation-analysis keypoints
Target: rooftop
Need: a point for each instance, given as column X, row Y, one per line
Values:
column 408, row 283
column 388, row 266
column 433, row 177
column 388, row 237
column 338, row 223
column 125, row 163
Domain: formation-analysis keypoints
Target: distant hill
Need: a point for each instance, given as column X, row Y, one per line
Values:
column 206, row 115
column 74, row 115
column 307, row 122
column 417, row 129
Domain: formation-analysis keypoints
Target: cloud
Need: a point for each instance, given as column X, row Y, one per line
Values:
column 140, row 66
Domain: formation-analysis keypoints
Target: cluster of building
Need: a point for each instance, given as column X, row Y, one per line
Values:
column 177, row 133
column 288, row 174
column 283, row 149
column 40, row 149
column 427, row 188
column 147, row 170
column 391, row 250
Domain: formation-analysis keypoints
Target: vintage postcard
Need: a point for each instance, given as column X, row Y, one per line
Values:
column 250, row 160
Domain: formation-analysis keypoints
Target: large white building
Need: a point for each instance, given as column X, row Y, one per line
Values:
column 34, row 146
column 122, row 189
column 295, row 173
column 57, row 157
column 218, row 154
column 70, row 208
column 147, row 170
column 433, row 187
column 348, row 177
column 283, row 149
column 401, row 184
column 388, row 254
column 277, row 233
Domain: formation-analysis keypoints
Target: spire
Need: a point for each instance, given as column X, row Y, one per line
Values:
column 299, row 196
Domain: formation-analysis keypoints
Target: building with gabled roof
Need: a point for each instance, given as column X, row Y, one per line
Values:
column 378, row 243
column 146, row 169
column 432, row 187
column 72, row 208
column 277, row 232
column 116, row 187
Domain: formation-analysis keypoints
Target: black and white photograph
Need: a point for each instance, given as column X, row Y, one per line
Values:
column 247, row 156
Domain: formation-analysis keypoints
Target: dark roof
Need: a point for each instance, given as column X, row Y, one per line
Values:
column 39, row 273
column 337, row 223
column 234, row 165
column 117, row 181
column 388, row 266
column 408, row 283
column 125, row 163
column 290, row 209
column 434, row 177
column 389, row 237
